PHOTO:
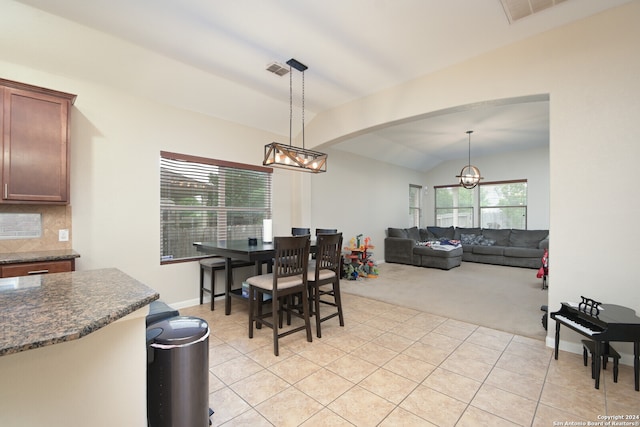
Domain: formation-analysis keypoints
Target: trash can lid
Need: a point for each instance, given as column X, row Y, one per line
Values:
column 180, row 330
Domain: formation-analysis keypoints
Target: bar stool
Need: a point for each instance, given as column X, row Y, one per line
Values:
column 212, row 265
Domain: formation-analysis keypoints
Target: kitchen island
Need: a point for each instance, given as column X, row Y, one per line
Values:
column 72, row 349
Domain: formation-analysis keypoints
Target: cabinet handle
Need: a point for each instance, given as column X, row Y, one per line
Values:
column 38, row 272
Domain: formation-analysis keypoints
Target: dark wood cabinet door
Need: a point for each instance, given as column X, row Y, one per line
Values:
column 31, row 268
column 35, row 147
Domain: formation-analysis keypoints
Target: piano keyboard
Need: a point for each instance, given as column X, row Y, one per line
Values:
column 587, row 328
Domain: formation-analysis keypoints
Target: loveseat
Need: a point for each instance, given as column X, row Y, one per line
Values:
column 510, row 247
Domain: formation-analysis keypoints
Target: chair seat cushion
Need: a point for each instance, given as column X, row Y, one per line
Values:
column 324, row 275
column 265, row 281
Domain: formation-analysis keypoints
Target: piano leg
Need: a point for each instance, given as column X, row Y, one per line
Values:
column 557, row 339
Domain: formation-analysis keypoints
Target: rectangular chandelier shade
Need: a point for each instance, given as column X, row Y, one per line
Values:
column 294, row 158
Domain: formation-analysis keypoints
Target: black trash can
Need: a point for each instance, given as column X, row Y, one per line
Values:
column 177, row 372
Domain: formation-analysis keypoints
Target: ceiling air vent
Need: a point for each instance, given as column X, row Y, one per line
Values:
column 518, row 9
column 278, row 69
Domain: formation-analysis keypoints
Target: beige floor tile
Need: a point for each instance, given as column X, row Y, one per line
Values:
column 546, row 416
column 222, row 353
column 345, row 342
column 294, row 368
column 526, row 367
column 226, row 405
column 529, row 352
column 361, row 407
column 503, row 404
column 409, row 367
column 363, row 331
column 515, row 383
column 326, row 418
column 290, row 407
column 478, row 352
column 410, row 332
column 484, row 337
column 401, row 417
column 463, row 365
column 352, row 368
column 374, row 354
column 324, row 386
column 322, row 354
column 234, row 370
column 259, row 387
column 427, row 353
column 443, row 342
column 265, row 357
column 454, row 385
column 433, row 406
column 251, row 418
column 450, row 329
column 215, row 383
column 393, row 341
column 388, row 385
column 587, row 403
column 382, row 323
column 474, row 417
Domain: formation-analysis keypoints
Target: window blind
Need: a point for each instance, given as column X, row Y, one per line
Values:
column 207, row 200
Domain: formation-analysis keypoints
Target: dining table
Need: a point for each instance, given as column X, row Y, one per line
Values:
column 259, row 253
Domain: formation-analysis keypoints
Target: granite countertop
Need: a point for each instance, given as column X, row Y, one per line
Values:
column 38, row 256
column 36, row 311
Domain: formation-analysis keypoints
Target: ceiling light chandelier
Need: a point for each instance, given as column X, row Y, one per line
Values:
column 288, row 156
column 469, row 175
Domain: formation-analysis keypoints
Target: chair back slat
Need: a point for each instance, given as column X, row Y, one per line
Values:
column 328, row 252
column 291, row 255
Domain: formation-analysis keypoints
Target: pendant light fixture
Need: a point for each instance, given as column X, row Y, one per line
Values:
column 469, row 175
column 289, row 156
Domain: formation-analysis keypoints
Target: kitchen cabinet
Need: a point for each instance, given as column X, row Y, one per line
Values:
column 31, row 268
column 34, row 125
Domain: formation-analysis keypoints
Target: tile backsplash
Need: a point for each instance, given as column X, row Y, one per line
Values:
column 54, row 218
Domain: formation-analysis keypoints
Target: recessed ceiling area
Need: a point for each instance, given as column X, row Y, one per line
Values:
column 424, row 142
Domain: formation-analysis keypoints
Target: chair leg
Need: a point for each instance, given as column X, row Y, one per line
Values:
column 213, row 288
column 275, row 313
column 201, row 283
column 338, row 300
column 316, row 309
column 252, row 298
column 305, row 313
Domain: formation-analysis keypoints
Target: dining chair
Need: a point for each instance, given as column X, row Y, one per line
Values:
column 289, row 277
column 326, row 272
column 298, row 231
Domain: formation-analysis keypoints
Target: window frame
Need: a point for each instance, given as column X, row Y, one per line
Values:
column 225, row 170
column 415, row 212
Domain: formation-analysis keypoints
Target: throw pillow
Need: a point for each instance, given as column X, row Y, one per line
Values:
column 486, row 242
column 468, row 239
column 397, row 232
column 413, row 234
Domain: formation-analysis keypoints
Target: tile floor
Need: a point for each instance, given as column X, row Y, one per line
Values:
column 393, row 366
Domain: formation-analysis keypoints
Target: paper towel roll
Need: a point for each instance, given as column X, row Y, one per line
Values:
column 267, row 231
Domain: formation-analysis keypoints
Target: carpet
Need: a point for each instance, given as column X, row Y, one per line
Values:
column 497, row 297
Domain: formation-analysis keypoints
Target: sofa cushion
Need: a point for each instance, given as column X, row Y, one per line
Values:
column 413, row 233
column 397, row 232
column 501, row 237
column 519, row 252
column 437, row 232
column 488, row 250
column 459, row 231
column 427, row 251
column 527, row 238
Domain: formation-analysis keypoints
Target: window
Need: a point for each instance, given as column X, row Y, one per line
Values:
column 205, row 199
column 454, row 206
column 497, row 204
column 415, row 201
column 504, row 205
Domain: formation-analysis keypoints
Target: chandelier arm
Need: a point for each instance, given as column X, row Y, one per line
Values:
column 290, row 104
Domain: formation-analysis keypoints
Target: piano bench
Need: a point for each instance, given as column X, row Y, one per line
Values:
column 588, row 346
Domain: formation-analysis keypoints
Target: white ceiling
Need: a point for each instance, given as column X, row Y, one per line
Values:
column 353, row 48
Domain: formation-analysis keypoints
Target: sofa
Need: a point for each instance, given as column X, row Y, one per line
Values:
column 509, row 247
